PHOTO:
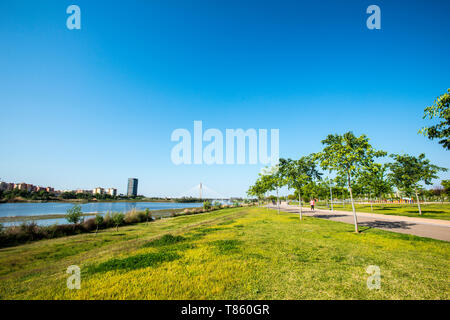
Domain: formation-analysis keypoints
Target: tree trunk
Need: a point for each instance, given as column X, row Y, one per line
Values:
column 300, row 205
column 371, row 206
column 278, row 203
column 418, row 202
column 331, row 200
column 267, row 205
column 353, row 205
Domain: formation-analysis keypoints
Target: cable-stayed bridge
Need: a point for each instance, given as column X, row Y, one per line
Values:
column 202, row 191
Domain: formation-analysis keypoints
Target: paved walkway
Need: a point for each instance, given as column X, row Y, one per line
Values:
column 422, row 227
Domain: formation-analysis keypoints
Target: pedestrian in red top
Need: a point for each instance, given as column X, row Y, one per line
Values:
column 312, row 202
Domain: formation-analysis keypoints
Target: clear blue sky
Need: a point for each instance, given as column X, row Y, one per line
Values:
column 92, row 107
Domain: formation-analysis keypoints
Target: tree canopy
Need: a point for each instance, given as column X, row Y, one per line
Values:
column 440, row 110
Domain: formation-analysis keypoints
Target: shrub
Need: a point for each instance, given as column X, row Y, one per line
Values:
column 90, row 224
column 74, row 214
column 217, row 205
column 133, row 217
column 29, row 230
column 108, row 221
column 206, row 205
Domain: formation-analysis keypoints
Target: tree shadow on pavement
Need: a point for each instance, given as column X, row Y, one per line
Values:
column 387, row 224
column 329, row 216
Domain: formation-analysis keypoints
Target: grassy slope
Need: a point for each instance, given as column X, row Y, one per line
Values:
column 242, row 253
column 430, row 211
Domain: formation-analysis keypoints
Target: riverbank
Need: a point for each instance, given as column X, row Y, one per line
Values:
column 155, row 213
column 58, row 200
column 16, row 213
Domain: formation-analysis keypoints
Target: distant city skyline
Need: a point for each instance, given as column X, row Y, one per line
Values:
column 36, row 188
column 93, row 107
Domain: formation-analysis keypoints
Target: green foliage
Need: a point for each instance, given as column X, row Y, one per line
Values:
column 348, row 155
column 441, row 110
column 99, row 219
column 446, row 185
column 298, row 173
column 30, row 195
column 74, row 214
column 374, row 180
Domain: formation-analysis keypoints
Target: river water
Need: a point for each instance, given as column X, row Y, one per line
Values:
column 35, row 209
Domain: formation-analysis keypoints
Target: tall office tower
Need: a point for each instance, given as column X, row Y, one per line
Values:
column 132, row 187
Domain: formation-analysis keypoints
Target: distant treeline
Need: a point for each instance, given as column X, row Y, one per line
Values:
column 188, row 199
column 42, row 195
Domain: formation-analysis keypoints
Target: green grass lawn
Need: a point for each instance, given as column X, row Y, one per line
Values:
column 431, row 211
column 238, row 253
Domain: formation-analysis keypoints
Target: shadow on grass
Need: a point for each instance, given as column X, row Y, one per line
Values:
column 226, row 246
column 135, row 262
column 165, row 240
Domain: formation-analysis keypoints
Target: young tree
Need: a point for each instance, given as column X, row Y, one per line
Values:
column 98, row 221
column 348, row 155
column 216, row 205
column 440, row 109
column 375, row 179
column 74, row 214
column 446, row 185
column 273, row 180
column 408, row 171
column 148, row 215
column 118, row 218
column 257, row 190
column 299, row 173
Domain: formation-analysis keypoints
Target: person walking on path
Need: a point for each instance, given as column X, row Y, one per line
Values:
column 312, row 202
